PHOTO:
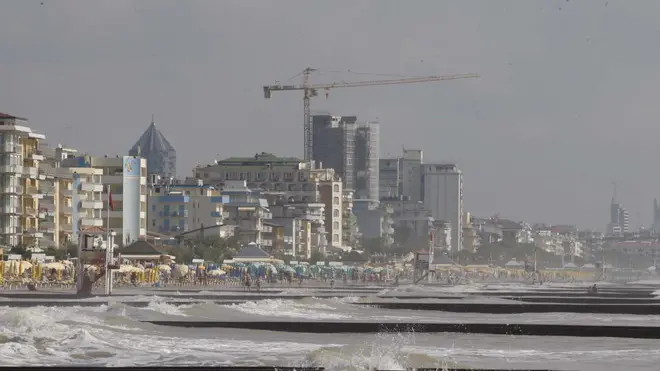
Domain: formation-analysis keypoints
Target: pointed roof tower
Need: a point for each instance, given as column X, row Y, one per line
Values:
column 159, row 152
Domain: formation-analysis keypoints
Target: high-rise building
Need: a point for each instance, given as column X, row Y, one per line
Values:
column 619, row 219
column 390, row 178
column 19, row 182
column 443, row 196
column 351, row 148
column 656, row 217
column 160, row 154
column 367, row 148
column 411, row 174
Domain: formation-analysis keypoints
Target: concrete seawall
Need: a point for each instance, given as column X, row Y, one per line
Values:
column 583, row 300
column 247, row 368
column 499, row 308
column 638, row 332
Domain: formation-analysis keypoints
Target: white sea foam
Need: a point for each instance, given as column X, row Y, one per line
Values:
column 112, row 335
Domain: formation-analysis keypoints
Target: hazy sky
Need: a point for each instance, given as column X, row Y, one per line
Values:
column 567, row 102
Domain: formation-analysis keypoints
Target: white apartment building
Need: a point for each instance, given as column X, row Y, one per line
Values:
column 127, row 178
column 55, row 208
column 72, row 203
column 247, row 210
column 19, row 182
column 443, row 196
column 178, row 208
column 291, row 179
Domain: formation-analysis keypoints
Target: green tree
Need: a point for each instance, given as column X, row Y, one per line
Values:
column 21, row 250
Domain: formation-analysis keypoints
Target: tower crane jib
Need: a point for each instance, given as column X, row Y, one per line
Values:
column 311, row 90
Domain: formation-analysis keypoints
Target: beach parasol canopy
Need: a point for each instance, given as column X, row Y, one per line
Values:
column 54, row 265
column 217, row 273
column 180, row 271
column 164, row 268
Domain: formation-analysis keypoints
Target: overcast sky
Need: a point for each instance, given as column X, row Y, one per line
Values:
column 566, row 104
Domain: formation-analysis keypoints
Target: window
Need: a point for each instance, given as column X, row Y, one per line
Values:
column 336, row 225
column 153, row 222
column 153, row 207
column 335, row 213
column 336, row 187
column 335, row 237
column 335, row 201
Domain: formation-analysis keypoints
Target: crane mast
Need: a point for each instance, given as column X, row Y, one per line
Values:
column 311, row 90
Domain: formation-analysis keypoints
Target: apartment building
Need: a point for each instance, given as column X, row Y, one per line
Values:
column 72, row 202
column 375, row 220
column 247, row 210
column 291, row 180
column 443, row 196
column 127, row 178
column 174, row 209
column 351, row 148
column 19, row 183
column 389, row 178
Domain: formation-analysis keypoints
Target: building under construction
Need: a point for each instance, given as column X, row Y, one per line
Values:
column 351, row 148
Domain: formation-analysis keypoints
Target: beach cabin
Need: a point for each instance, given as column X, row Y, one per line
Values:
column 252, row 254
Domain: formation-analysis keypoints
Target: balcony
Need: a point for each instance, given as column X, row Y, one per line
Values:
column 30, row 211
column 66, row 209
column 179, row 214
column 32, row 232
column 46, row 229
column 31, row 172
column 43, row 214
column 91, row 222
column 91, row 187
column 11, row 169
column 9, row 230
column 96, row 205
column 17, row 210
column 33, row 192
column 178, row 228
column 46, row 225
column 66, row 227
column 47, row 191
column 12, row 189
column 11, row 148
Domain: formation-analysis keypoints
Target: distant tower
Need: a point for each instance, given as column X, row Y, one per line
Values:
column 160, row 154
column 656, row 217
column 619, row 218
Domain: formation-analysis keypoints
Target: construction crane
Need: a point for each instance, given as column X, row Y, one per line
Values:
column 311, row 90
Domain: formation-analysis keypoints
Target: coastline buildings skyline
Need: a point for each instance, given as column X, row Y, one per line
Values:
column 298, row 207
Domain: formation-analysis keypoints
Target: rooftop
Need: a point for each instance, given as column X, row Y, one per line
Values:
column 8, row 116
column 261, row 158
column 151, row 141
column 252, row 251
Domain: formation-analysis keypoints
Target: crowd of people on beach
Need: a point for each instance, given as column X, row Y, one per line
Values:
column 255, row 276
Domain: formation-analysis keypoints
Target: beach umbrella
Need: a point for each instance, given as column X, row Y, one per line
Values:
column 180, row 271
column 164, row 268
column 216, row 273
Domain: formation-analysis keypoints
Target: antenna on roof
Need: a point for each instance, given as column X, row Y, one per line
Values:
column 152, row 119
